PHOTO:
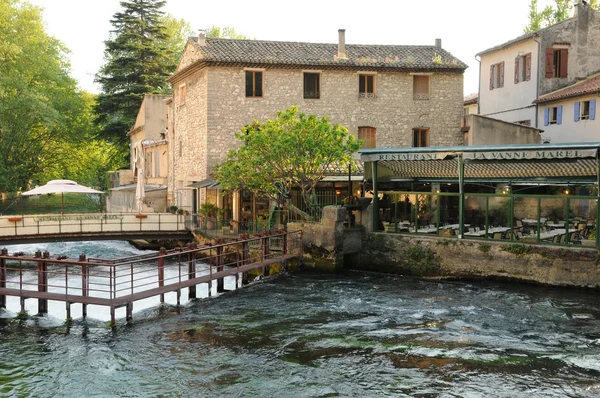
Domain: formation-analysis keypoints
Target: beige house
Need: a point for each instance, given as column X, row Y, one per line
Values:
column 149, row 144
column 471, row 104
column 514, row 74
column 387, row 95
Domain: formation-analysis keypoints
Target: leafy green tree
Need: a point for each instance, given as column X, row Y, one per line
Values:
column 292, row 151
column 136, row 62
column 550, row 15
column 226, row 32
column 39, row 101
column 177, row 33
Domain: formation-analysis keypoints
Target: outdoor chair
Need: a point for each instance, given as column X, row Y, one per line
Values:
column 574, row 238
column 497, row 235
column 519, row 223
column 556, row 238
column 563, row 238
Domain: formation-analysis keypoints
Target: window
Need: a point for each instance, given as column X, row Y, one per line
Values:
column 420, row 87
column 366, row 86
column 311, row 86
column 254, row 84
column 367, row 135
column 553, row 115
column 497, row 76
column 466, row 111
column 181, row 94
column 420, row 137
column 585, row 110
column 523, row 68
column 557, row 61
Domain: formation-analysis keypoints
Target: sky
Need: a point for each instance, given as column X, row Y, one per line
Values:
column 466, row 27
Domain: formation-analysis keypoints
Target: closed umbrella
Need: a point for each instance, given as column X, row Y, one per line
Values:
column 139, row 190
column 61, row 187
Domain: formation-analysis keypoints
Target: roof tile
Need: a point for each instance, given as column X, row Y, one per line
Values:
column 325, row 54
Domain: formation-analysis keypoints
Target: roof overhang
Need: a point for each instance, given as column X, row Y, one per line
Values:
column 538, row 162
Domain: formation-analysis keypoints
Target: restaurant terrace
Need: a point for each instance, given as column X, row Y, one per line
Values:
column 540, row 193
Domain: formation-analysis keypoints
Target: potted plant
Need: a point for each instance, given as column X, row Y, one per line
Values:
column 220, row 213
column 207, row 212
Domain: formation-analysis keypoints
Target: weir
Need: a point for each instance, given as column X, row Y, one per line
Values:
column 120, row 282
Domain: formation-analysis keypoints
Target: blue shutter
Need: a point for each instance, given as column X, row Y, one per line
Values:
column 592, row 109
column 576, row 111
column 546, row 116
column 559, row 114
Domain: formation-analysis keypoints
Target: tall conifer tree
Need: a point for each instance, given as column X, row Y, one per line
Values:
column 136, row 62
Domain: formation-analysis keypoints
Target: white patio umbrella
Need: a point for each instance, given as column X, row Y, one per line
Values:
column 61, row 187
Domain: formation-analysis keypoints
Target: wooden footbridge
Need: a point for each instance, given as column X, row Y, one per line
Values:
column 120, row 282
column 92, row 226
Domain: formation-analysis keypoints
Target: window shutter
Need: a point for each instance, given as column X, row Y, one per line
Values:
column 491, row 77
column 564, row 62
column 559, row 114
column 576, row 111
column 528, row 67
column 592, row 109
column 549, row 61
column 546, row 116
column 516, row 70
column 501, row 74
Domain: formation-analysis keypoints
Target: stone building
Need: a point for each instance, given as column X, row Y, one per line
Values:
column 516, row 73
column 386, row 95
column 148, row 145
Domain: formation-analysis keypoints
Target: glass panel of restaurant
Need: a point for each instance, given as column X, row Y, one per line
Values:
column 498, row 217
column 474, row 214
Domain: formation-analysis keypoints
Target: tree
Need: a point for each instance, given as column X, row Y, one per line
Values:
column 137, row 62
column 292, row 151
column 177, row 33
column 227, row 32
column 39, row 101
column 551, row 15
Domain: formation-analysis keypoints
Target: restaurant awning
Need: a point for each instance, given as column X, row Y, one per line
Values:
column 499, row 163
column 206, row 183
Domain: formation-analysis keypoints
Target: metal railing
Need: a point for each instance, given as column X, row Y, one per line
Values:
column 84, row 223
column 120, row 282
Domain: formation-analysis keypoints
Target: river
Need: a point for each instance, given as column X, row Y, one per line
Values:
column 315, row 335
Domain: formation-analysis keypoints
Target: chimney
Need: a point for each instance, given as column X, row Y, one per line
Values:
column 578, row 8
column 342, row 44
column 438, row 43
column 201, row 38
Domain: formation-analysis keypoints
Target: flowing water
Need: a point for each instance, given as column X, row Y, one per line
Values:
column 314, row 335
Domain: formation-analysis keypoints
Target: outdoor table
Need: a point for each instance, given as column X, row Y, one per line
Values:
column 490, row 231
column 554, row 225
column 532, row 221
column 550, row 234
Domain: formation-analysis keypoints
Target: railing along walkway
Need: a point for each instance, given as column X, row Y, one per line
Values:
column 120, row 282
column 25, row 228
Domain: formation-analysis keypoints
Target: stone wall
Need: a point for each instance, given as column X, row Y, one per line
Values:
column 326, row 243
column 465, row 259
column 582, row 34
column 393, row 112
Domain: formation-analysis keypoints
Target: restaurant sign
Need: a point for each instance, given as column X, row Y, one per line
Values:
column 531, row 155
column 86, row 217
column 404, row 156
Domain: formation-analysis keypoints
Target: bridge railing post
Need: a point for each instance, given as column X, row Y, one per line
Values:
column 220, row 281
column 161, row 271
column 192, row 270
column 265, row 252
column 245, row 257
column 42, row 271
column 3, row 252
column 84, row 282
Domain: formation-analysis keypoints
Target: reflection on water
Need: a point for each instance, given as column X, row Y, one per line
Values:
column 322, row 336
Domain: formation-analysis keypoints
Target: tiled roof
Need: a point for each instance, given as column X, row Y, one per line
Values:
column 590, row 85
column 258, row 52
column 471, row 99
